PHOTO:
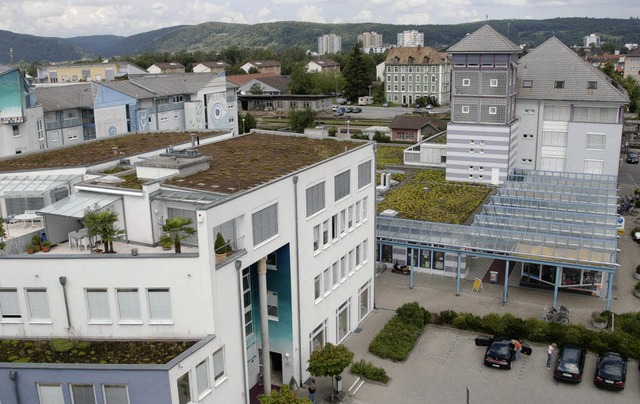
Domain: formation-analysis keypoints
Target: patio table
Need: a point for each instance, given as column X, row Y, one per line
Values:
column 28, row 217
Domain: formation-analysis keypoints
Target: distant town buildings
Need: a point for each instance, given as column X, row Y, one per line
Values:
column 632, row 64
column 591, row 39
column 72, row 73
column 370, row 39
column 410, row 39
column 210, row 67
column 330, row 43
column 166, row 68
column 263, row 66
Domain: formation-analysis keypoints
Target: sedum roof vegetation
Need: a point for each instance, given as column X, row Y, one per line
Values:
column 91, row 352
column 247, row 161
column 97, row 151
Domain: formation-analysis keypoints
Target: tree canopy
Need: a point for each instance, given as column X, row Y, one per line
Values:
column 284, row 396
column 359, row 73
column 301, row 118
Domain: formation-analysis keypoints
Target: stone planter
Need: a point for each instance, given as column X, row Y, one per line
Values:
column 599, row 324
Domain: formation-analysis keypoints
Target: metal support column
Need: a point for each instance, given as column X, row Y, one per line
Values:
column 459, row 264
column 506, row 283
column 555, row 288
column 609, row 290
column 411, row 270
column 264, row 324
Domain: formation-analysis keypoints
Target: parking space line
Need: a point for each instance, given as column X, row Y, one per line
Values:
column 358, row 388
column 354, row 383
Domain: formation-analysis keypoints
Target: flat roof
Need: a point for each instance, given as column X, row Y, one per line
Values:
column 247, row 161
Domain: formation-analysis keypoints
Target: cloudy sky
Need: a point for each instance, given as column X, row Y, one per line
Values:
column 67, row 18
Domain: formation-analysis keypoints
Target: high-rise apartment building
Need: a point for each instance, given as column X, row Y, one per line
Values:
column 370, row 39
column 410, row 39
column 330, row 43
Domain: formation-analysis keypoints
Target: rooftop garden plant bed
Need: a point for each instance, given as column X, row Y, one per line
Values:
column 247, row 161
column 389, row 156
column 94, row 352
column 131, row 181
column 428, row 197
column 97, row 151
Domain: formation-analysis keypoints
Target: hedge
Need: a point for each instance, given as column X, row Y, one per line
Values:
column 399, row 335
column 370, row 371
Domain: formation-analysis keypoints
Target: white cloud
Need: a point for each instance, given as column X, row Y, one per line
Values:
column 365, row 16
column 310, row 14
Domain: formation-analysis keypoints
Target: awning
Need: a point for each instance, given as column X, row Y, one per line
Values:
column 76, row 204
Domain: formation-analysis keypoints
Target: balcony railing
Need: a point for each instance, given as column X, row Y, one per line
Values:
column 231, row 250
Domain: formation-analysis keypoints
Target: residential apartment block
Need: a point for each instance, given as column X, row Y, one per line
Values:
column 298, row 221
column 263, row 66
column 72, row 73
column 416, row 72
column 410, row 39
column 330, row 43
column 632, row 65
column 370, row 40
column 166, row 68
column 592, row 39
column 211, row 67
column 323, row 66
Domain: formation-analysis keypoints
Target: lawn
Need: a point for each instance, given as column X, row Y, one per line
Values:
column 389, row 155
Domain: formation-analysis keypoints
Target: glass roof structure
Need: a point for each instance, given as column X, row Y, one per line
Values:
column 32, row 186
column 562, row 218
column 197, row 198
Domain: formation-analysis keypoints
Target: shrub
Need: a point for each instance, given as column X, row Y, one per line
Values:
column 413, row 313
column 638, row 286
column 599, row 317
column 468, row 321
column 332, row 131
column 445, row 317
column 398, row 337
column 370, row 371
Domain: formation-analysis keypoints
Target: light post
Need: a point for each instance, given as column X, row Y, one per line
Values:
column 348, row 128
column 243, row 125
column 369, row 90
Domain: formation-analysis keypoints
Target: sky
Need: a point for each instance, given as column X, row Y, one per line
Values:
column 68, row 18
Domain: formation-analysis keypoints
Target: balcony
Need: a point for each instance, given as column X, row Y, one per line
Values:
column 230, row 251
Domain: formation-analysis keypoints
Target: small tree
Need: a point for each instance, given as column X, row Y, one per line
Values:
column 256, row 89
column 103, row 224
column 301, row 118
column 284, row 396
column 332, row 131
column 331, row 360
column 175, row 230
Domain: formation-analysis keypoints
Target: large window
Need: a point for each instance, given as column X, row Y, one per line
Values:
column 317, row 287
column 315, row 198
column 342, row 185
column 218, row 365
column 128, row 304
column 327, row 281
column 83, row 394
column 98, row 305
column 595, row 141
column 38, row 304
column 550, row 138
column 50, row 394
column 9, row 307
column 342, row 320
column 363, row 301
column 272, row 305
column 115, row 394
column 595, row 114
column 317, row 339
column 184, row 389
column 202, row 377
column 159, row 304
column 265, row 224
column 316, row 238
column 364, row 174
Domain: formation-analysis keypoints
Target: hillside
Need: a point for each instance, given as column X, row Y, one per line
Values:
column 278, row 35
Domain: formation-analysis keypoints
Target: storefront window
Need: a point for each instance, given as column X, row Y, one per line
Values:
column 387, row 253
column 425, row 258
column 438, row 260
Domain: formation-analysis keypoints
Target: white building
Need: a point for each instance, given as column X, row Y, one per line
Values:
column 592, row 39
column 410, row 39
column 370, row 40
column 330, row 43
column 302, row 236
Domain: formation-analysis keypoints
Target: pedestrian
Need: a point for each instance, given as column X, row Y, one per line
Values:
column 551, row 352
column 517, row 348
column 312, row 389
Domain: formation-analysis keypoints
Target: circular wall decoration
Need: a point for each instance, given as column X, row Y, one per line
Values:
column 112, row 130
column 218, row 111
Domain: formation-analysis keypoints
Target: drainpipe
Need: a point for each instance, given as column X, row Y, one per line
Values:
column 238, row 265
column 264, row 325
column 506, row 283
column 295, row 214
column 63, row 282
column 13, row 375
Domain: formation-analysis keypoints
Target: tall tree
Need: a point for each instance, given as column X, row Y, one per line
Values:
column 301, row 118
column 357, row 75
column 301, row 81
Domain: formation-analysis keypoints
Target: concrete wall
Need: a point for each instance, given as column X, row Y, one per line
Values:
column 110, row 121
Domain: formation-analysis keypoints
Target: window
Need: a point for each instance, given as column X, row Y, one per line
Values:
column 272, row 261
column 529, row 111
column 128, row 304
column 350, row 217
column 465, row 109
column 593, row 166
column 335, row 269
column 325, row 232
column 363, row 301
column 98, row 303
column 592, row 85
column 364, row 209
column 159, row 304
column 364, row 174
column 341, row 183
column 38, row 305
column 342, row 321
column 527, row 83
column 358, row 208
column 493, row 110
column 265, row 224
column 316, row 238
column 493, row 83
column 343, row 221
column 317, row 337
column 433, row 78
column 202, row 377
column 595, row 141
column 317, row 288
column 115, row 394
column 351, row 264
column 334, row 227
column 551, row 138
column 272, row 305
column 83, row 394
column 365, row 245
column 315, row 198
column 184, row 389
column 343, row 267
column 16, row 130
column 466, row 82
column 178, row 98
column 558, row 84
column 218, row 364
column 50, row 394
column 9, row 307
column 327, row 281
column 358, row 255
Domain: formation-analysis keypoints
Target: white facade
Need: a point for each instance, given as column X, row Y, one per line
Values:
column 330, row 43
column 410, row 39
column 27, row 136
column 591, row 39
column 370, row 39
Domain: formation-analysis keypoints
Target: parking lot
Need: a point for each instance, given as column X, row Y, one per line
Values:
column 445, row 362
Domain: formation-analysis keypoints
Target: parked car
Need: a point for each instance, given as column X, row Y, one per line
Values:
column 334, row 108
column 405, row 105
column 499, row 353
column 385, row 104
column 632, row 157
column 418, row 105
column 357, row 110
column 429, row 106
column 349, row 110
column 570, row 364
column 611, row 371
column 338, row 113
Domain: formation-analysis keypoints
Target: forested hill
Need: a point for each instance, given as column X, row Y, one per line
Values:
column 279, row 35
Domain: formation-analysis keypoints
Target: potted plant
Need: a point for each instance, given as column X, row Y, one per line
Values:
column 46, row 246
column 637, row 274
column 220, row 247
column 599, row 320
column 102, row 223
column 36, row 242
column 30, row 249
column 175, row 230
column 165, row 242
column 637, row 289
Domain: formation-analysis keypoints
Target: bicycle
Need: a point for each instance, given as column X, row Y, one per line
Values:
column 553, row 315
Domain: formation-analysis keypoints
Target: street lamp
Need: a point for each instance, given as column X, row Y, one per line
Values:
column 348, row 128
column 242, row 125
column 369, row 90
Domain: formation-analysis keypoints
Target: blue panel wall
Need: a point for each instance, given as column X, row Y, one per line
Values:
column 107, row 97
column 144, row 386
